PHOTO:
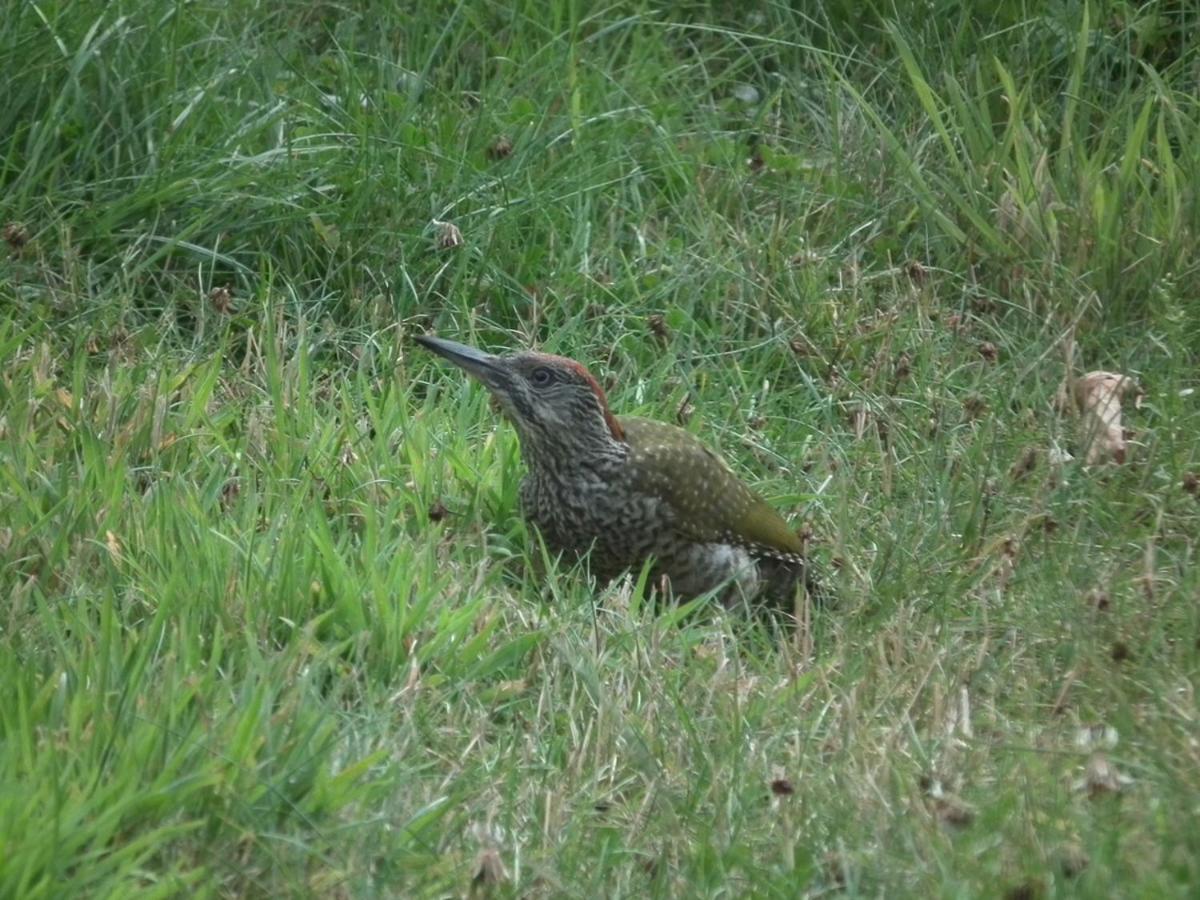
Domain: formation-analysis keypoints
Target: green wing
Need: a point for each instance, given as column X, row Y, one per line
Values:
column 710, row 502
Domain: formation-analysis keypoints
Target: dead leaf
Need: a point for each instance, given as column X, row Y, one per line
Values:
column 448, row 235
column 221, row 299
column 1096, row 397
column 489, row 870
column 1101, row 777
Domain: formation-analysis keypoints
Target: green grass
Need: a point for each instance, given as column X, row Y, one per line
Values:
column 274, row 625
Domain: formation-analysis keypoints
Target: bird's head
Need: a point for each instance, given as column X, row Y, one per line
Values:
column 554, row 402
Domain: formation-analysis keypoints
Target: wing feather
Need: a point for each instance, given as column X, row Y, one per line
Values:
column 709, row 500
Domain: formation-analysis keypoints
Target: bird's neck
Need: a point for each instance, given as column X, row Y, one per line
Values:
column 573, row 453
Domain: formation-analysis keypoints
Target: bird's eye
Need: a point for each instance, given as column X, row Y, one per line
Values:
column 541, row 376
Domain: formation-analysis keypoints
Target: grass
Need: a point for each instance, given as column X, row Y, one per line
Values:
column 275, row 627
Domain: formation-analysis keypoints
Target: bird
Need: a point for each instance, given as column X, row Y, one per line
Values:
column 624, row 491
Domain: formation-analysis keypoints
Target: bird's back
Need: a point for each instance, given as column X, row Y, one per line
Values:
column 707, row 498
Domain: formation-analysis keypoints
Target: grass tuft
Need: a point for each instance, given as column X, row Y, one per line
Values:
column 275, row 626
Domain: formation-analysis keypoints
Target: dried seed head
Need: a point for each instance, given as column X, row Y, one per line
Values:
column 1026, row 464
column 220, row 298
column 917, row 273
column 15, row 235
column 974, row 405
column 500, row 148
column 836, row 869
column 1073, row 860
column 952, row 811
column 657, row 324
column 782, row 787
column 684, row 414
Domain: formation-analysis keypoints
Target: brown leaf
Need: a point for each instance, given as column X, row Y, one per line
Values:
column 448, row 235
column 1101, row 777
column 782, row 787
column 1096, row 397
column 989, row 351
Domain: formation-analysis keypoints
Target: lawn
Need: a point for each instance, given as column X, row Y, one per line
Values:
column 275, row 627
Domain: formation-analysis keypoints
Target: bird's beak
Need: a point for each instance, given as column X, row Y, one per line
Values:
column 483, row 366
